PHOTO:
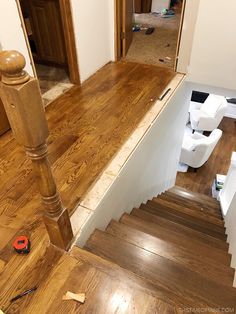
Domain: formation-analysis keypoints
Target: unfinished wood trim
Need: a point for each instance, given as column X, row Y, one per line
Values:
column 69, row 35
column 26, row 37
column 179, row 34
column 117, row 30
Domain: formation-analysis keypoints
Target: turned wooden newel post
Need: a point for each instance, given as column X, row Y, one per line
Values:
column 23, row 104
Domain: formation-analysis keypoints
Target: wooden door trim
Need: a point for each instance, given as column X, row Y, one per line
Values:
column 69, row 35
column 26, row 37
column 117, row 30
column 179, row 34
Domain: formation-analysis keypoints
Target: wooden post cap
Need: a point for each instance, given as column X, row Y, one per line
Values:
column 12, row 65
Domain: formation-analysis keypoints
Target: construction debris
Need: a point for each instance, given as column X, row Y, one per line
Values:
column 79, row 297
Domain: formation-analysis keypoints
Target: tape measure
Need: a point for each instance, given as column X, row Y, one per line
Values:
column 22, row 245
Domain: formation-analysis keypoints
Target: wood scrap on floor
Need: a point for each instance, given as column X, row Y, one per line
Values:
column 79, row 297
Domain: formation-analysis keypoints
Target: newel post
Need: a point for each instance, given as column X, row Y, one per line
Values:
column 22, row 100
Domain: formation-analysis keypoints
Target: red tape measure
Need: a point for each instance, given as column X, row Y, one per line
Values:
column 22, row 245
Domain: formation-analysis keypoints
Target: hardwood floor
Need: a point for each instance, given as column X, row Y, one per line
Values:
column 181, row 261
column 219, row 162
column 87, row 127
column 137, row 265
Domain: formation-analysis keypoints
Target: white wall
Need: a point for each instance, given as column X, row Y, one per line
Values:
column 213, row 59
column 11, row 32
column 228, row 206
column 150, row 170
column 231, row 232
column 94, row 32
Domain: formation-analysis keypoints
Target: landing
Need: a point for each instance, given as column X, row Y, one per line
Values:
column 94, row 120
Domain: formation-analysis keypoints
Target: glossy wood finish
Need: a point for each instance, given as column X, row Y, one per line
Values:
column 4, row 123
column 180, row 235
column 141, row 273
column 219, row 162
column 177, row 251
column 189, row 211
column 172, row 215
column 162, row 271
column 175, row 233
column 29, row 126
column 180, row 255
column 97, row 118
column 100, row 116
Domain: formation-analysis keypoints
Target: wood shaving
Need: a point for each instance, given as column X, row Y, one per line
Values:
column 79, row 297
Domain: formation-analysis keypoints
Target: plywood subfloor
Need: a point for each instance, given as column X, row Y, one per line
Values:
column 219, row 162
column 87, row 126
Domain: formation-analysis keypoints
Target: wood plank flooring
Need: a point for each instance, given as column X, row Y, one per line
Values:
column 87, row 126
column 140, row 266
column 219, row 162
column 180, row 258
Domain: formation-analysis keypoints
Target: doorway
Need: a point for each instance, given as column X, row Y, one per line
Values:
column 155, row 32
column 49, row 35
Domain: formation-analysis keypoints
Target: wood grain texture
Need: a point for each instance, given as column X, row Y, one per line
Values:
column 219, row 162
column 190, row 211
column 176, row 250
column 95, row 120
column 4, row 123
column 30, row 129
column 193, row 223
column 161, row 271
column 45, row 16
column 201, row 240
column 98, row 117
column 194, row 262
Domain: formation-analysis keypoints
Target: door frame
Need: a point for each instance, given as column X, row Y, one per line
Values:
column 118, row 29
column 179, row 34
column 69, row 37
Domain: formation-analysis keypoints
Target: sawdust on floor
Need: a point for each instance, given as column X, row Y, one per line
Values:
column 160, row 44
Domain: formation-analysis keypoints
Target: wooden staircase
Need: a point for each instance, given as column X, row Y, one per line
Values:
column 175, row 247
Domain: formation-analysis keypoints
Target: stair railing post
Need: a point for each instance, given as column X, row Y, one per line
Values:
column 23, row 104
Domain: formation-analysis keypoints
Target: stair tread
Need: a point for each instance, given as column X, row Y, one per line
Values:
column 197, row 205
column 133, row 286
column 128, row 277
column 160, row 270
column 179, row 235
column 191, row 212
column 220, row 234
column 194, row 262
column 196, row 220
column 195, row 195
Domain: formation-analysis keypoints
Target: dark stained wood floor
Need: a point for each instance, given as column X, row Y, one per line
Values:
column 219, row 162
column 87, row 126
